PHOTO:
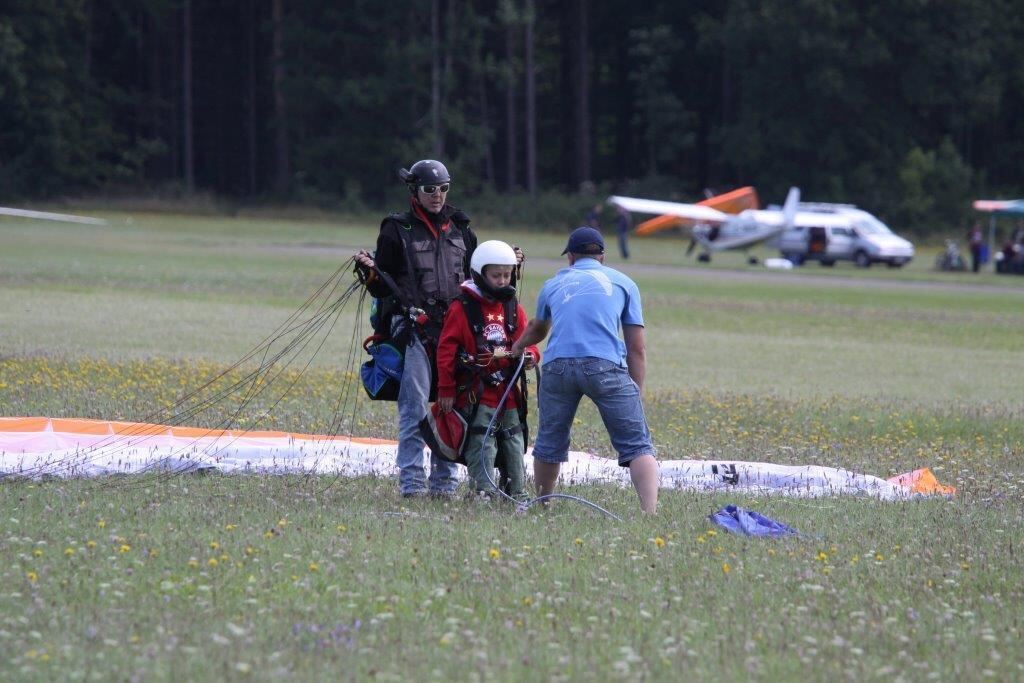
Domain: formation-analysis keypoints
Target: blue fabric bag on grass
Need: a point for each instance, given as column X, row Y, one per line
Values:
column 737, row 520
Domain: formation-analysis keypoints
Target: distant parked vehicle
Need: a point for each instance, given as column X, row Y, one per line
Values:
column 844, row 233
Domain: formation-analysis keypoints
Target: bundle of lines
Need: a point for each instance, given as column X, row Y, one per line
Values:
column 262, row 378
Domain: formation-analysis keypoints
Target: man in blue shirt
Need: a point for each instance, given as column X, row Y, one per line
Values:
column 583, row 307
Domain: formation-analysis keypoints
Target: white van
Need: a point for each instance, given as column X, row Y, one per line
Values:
column 846, row 233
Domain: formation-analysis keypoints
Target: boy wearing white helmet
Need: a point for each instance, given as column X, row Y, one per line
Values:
column 473, row 370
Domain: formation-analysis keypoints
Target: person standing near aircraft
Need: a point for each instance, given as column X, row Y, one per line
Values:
column 623, row 224
column 976, row 241
column 583, row 307
column 426, row 251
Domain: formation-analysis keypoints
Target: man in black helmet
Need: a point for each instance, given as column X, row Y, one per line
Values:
column 426, row 251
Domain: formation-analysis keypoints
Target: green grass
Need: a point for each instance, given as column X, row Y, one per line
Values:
column 233, row 577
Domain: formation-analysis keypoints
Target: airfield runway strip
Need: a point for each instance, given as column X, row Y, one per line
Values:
column 756, row 274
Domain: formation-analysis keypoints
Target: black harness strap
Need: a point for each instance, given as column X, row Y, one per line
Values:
column 475, row 317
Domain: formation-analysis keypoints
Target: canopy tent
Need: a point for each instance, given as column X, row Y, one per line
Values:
column 996, row 208
column 1000, row 207
column 38, row 447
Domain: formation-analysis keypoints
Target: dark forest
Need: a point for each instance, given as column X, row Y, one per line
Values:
column 910, row 108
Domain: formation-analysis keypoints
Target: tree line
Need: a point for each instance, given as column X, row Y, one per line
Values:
column 909, row 108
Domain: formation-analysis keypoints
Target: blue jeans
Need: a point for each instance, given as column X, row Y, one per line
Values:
column 413, row 403
column 564, row 382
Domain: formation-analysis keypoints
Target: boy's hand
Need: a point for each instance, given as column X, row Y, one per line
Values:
column 446, row 403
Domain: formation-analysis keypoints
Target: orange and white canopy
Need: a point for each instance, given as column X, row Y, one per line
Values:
column 36, row 447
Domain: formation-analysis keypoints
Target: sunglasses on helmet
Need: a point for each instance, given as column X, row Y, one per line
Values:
column 431, row 189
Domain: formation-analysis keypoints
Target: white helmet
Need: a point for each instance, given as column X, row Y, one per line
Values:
column 492, row 253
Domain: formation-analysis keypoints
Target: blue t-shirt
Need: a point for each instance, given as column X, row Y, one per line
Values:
column 586, row 304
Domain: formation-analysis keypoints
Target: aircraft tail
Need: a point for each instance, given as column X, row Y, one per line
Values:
column 789, row 208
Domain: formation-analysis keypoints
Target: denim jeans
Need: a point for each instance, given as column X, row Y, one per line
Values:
column 564, row 382
column 413, row 403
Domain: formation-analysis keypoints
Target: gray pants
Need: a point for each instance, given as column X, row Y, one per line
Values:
column 413, row 403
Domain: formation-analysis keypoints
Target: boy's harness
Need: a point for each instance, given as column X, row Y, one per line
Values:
column 472, row 371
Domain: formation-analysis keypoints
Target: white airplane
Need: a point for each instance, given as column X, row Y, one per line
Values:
column 818, row 231
column 716, row 230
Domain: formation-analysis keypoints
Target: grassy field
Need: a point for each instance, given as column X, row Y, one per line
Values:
column 246, row 577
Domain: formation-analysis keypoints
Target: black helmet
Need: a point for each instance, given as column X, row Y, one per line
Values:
column 426, row 172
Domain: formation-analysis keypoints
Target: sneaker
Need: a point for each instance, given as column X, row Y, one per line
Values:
column 416, row 493
column 443, row 495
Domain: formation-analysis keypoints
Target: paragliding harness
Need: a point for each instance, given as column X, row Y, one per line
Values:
column 445, row 440
column 382, row 374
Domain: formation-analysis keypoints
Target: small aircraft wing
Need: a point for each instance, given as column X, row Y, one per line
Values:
column 733, row 202
column 704, row 214
column 47, row 216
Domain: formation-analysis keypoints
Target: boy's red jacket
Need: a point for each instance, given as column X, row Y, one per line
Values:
column 457, row 335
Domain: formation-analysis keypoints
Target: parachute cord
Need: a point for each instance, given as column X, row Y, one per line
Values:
column 348, row 391
column 539, row 499
column 283, row 329
column 255, row 382
column 524, row 505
